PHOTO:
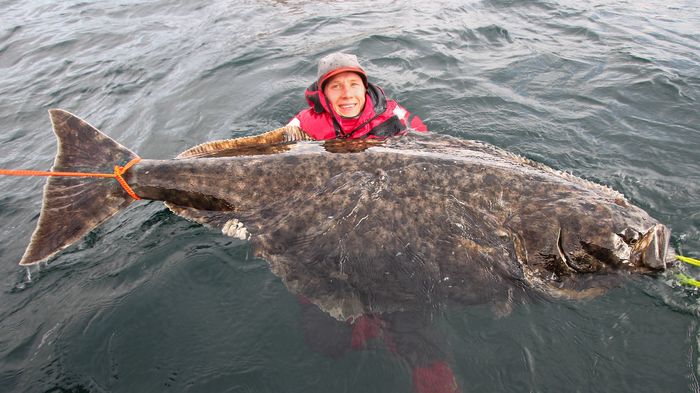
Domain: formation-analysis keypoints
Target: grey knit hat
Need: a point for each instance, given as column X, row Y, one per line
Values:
column 338, row 62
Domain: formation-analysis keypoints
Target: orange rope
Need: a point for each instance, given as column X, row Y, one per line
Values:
column 118, row 172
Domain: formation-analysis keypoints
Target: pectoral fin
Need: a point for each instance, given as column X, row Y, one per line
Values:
column 219, row 220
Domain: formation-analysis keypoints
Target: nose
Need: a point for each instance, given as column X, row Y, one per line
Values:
column 651, row 250
column 345, row 90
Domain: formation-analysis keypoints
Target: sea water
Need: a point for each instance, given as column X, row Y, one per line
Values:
column 149, row 302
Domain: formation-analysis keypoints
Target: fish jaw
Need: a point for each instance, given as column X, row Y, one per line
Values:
column 651, row 250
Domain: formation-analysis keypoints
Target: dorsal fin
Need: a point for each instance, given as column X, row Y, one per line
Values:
column 270, row 142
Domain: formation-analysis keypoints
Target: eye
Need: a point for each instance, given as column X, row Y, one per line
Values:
column 630, row 236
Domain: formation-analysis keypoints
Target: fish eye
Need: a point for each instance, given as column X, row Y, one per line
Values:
column 629, row 236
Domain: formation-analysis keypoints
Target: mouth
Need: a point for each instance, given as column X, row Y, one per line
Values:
column 347, row 108
column 651, row 250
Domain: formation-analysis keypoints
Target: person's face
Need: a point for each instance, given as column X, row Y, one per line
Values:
column 346, row 93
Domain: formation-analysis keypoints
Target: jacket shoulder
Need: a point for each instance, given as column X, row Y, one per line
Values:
column 318, row 125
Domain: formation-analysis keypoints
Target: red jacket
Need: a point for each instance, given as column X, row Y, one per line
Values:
column 380, row 118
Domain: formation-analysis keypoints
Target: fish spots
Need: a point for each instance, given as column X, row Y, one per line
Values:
column 490, row 180
column 383, row 229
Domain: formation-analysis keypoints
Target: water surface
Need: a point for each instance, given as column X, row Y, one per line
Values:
column 608, row 90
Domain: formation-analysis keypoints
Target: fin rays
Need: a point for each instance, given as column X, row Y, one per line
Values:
column 81, row 147
column 271, row 142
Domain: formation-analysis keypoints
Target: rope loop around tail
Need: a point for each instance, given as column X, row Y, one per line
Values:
column 118, row 174
column 120, row 170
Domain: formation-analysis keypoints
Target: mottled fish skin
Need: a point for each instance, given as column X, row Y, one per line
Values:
column 412, row 222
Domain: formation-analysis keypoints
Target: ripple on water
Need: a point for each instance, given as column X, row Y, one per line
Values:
column 150, row 302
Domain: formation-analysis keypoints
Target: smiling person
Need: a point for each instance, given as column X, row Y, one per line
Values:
column 343, row 104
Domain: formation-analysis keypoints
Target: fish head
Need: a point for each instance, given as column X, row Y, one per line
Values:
column 632, row 249
column 579, row 265
column 644, row 250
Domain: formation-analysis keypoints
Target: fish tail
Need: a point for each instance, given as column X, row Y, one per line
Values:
column 73, row 206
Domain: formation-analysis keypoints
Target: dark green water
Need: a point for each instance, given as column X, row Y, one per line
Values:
column 149, row 302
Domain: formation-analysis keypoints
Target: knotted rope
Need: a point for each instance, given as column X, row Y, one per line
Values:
column 119, row 171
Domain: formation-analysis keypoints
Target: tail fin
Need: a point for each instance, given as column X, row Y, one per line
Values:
column 74, row 205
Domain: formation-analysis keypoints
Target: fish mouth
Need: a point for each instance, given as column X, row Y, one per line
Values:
column 651, row 250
